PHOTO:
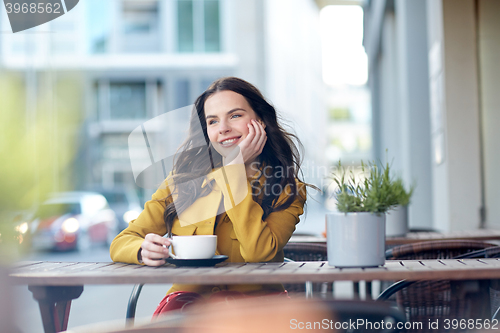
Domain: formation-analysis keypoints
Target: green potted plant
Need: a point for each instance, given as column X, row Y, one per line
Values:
column 396, row 223
column 356, row 233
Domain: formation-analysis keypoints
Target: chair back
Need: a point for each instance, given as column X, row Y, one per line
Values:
column 425, row 301
column 441, row 249
column 307, row 252
column 489, row 252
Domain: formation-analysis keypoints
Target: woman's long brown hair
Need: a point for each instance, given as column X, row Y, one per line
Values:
column 280, row 155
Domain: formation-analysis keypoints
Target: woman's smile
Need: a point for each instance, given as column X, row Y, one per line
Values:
column 226, row 143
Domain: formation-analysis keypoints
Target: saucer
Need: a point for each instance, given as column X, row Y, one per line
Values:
column 197, row 262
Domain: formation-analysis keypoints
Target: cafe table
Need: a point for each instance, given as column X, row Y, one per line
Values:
column 55, row 284
column 410, row 238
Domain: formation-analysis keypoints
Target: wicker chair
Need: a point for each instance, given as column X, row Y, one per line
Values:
column 439, row 249
column 490, row 252
column 430, row 300
column 307, row 252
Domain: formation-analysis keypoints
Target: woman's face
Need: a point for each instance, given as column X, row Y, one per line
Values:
column 227, row 115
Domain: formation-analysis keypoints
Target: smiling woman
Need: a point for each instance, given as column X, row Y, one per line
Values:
column 218, row 187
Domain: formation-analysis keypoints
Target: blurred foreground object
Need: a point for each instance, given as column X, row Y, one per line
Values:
column 38, row 131
column 265, row 314
column 6, row 303
column 270, row 314
column 276, row 315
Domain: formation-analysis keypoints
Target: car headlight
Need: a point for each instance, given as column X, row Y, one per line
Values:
column 22, row 228
column 70, row 225
column 130, row 215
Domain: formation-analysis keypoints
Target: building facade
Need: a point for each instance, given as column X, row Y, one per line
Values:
column 136, row 60
column 433, row 81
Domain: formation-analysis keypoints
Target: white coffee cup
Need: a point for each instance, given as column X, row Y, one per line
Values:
column 194, row 247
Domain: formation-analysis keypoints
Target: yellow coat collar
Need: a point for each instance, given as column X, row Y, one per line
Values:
column 200, row 217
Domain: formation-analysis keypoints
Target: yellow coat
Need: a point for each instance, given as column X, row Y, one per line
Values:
column 241, row 233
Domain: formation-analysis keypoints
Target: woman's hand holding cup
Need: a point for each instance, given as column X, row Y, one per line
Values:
column 154, row 250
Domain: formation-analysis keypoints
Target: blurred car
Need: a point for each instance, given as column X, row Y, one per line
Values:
column 73, row 220
column 124, row 202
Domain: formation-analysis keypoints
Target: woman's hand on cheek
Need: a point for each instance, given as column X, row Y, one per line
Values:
column 154, row 250
column 251, row 147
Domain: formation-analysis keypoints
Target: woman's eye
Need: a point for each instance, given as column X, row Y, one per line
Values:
column 212, row 122
column 235, row 116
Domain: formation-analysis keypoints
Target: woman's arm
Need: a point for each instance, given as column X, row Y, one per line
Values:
column 260, row 240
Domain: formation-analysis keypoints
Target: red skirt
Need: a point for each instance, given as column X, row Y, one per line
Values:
column 180, row 300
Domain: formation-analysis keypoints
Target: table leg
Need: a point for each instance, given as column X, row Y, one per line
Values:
column 55, row 303
column 355, row 289
column 368, row 290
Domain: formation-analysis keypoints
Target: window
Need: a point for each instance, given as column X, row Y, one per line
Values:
column 120, row 177
column 198, row 27
column 98, row 25
column 182, row 94
column 139, row 26
column 185, row 26
column 114, row 147
column 211, row 21
column 127, row 100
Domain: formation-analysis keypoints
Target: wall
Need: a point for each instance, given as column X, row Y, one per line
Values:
column 489, row 53
column 244, row 29
column 413, row 108
column 400, row 98
column 455, row 136
column 441, row 148
column 293, row 75
column 389, row 115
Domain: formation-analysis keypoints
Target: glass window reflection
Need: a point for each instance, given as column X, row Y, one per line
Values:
column 127, row 100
